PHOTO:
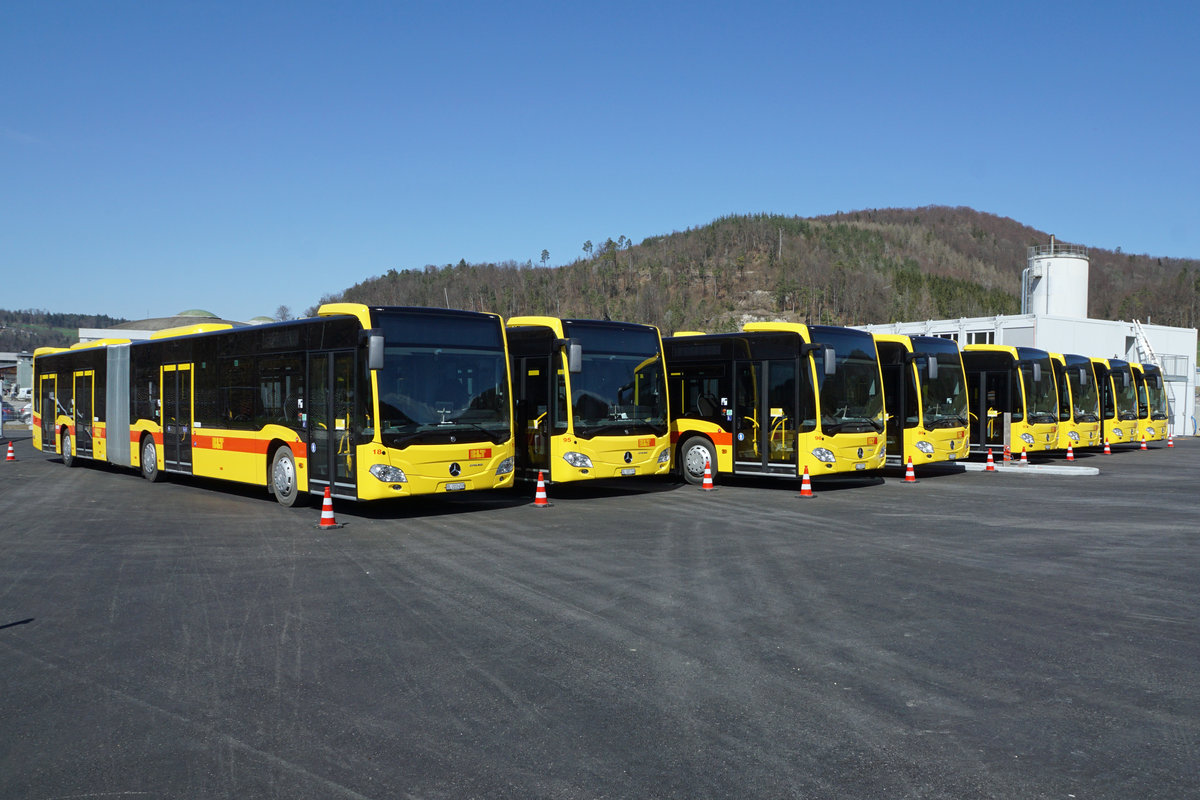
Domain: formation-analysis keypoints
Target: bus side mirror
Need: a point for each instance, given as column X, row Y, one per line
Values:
column 1158, row 381
column 574, row 354
column 830, row 360
column 374, row 350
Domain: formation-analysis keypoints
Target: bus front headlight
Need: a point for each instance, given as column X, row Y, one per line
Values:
column 1117, row 431
column 1073, row 436
column 824, row 456
column 925, row 447
column 664, row 456
column 506, row 466
column 1027, row 438
column 389, row 474
column 578, row 460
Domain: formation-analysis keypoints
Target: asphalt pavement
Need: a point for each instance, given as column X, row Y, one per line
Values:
column 973, row 635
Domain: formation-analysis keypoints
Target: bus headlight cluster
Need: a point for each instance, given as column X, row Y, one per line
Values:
column 389, row 474
column 823, row 455
column 664, row 456
column 1073, row 436
column 1027, row 438
column 506, row 466
column 1117, row 431
column 577, row 460
column 925, row 447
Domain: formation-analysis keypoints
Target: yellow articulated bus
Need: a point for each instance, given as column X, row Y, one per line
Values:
column 370, row 403
column 1078, row 401
column 591, row 399
column 925, row 393
column 1013, row 399
column 775, row 399
column 1118, row 401
column 1153, row 410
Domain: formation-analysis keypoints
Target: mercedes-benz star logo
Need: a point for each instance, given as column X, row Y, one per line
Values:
column 455, row 469
column 628, row 457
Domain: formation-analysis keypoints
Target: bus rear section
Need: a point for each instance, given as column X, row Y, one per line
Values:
column 775, row 399
column 925, row 393
column 590, row 399
column 368, row 403
column 1118, row 402
column 1154, row 412
column 1012, row 397
column 1078, row 401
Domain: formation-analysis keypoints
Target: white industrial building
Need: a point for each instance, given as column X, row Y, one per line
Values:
column 1054, row 298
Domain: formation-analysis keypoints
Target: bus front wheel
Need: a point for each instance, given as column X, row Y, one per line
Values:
column 150, row 461
column 67, row 455
column 695, row 453
column 283, row 477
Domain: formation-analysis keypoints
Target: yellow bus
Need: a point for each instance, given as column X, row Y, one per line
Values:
column 1013, row 399
column 591, row 398
column 1153, row 410
column 1078, row 401
column 1118, row 401
column 925, row 394
column 371, row 403
column 774, row 399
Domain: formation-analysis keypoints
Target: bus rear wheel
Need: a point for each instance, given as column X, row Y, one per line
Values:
column 283, row 477
column 695, row 453
column 150, row 461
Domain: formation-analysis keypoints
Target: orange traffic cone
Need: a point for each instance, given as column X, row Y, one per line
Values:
column 1143, row 447
column 327, row 520
column 910, row 476
column 991, row 464
column 1024, row 460
column 539, row 497
column 806, row 485
column 1070, row 452
column 1170, row 441
column 1107, row 449
column 11, row 455
column 1007, row 454
column 707, row 486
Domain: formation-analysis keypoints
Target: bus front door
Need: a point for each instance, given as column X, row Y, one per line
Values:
column 331, row 401
column 533, row 413
column 83, row 416
column 765, row 417
column 48, row 403
column 177, row 417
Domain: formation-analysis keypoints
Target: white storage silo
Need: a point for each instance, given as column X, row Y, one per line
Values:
column 1056, row 281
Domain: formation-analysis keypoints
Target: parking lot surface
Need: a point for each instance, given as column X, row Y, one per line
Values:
column 975, row 635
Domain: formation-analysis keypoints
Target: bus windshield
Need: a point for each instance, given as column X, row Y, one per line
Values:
column 944, row 397
column 444, row 380
column 620, row 389
column 1126, row 391
column 1041, row 398
column 851, row 399
column 1157, row 395
column 1084, row 399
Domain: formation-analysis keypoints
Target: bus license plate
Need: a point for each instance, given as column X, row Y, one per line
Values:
column 860, row 466
column 455, row 487
column 628, row 472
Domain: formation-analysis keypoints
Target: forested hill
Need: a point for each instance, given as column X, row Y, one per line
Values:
column 29, row 329
column 853, row 268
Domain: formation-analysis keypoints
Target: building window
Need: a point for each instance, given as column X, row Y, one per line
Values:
column 981, row 337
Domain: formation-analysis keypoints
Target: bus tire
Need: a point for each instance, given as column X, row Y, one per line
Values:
column 692, row 455
column 283, row 482
column 68, row 457
column 150, row 469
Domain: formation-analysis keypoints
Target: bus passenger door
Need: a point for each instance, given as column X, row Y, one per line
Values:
column 48, row 403
column 533, row 412
column 765, row 422
column 330, row 422
column 177, row 417
column 83, row 412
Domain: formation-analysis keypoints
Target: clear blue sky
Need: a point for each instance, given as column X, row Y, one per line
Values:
column 239, row 156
